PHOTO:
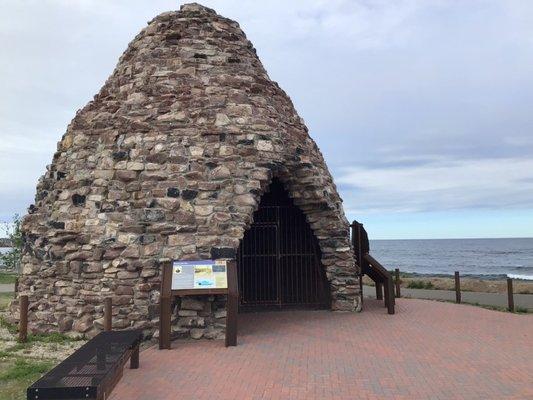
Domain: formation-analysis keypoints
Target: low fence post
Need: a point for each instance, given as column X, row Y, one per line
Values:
column 397, row 273
column 457, row 287
column 510, row 298
column 108, row 314
column 23, row 322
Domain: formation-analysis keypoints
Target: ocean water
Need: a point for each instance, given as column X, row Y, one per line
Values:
column 489, row 258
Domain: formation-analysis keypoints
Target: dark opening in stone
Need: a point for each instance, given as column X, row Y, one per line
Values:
column 222, row 252
column 188, row 194
column 78, row 199
column 120, row 155
column 173, row 192
column 57, row 224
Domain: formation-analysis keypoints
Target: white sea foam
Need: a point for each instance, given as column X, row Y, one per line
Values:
column 523, row 277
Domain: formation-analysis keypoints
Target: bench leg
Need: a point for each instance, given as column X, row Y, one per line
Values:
column 134, row 359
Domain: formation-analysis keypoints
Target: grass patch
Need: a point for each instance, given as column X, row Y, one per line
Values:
column 7, row 277
column 22, row 368
column 522, row 310
column 54, row 337
column 11, row 328
column 17, row 374
column 420, row 285
column 5, row 298
column 486, row 306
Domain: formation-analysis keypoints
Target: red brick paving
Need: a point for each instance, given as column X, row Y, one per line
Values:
column 428, row 350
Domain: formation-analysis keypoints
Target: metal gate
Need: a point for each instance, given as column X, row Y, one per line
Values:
column 279, row 258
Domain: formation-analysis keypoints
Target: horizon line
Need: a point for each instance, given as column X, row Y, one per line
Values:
column 460, row 238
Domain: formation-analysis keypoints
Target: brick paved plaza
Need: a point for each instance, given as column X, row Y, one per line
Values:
column 428, row 350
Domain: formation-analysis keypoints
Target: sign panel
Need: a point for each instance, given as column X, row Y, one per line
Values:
column 203, row 274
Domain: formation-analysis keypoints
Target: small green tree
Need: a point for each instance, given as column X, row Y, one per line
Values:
column 11, row 259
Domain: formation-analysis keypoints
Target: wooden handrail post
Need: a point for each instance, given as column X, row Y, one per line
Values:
column 379, row 291
column 108, row 314
column 457, row 287
column 390, row 303
column 386, row 294
column 510, row 298
column 165, row 307
column 232, row 304
column 23, row 322
column 397, row 273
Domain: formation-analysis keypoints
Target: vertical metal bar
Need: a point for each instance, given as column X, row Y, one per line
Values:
column 457, row 287
column 510, row 298
column 23, row 322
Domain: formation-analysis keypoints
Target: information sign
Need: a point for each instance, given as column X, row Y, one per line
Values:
column 203, row 274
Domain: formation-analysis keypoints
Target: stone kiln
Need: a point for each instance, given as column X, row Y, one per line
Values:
column 170, row 161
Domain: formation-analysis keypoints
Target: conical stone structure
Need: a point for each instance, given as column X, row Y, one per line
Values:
column 169, row 161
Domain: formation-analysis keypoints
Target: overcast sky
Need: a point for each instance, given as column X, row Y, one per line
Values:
column 423, row 109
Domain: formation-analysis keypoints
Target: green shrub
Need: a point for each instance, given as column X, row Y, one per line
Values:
column 6, row 277
column 11, row 259
column 420, row 285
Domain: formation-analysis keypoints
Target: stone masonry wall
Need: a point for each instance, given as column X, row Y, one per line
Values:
column 169, row 161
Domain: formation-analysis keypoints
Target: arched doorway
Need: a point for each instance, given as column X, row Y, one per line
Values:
column 279, row 258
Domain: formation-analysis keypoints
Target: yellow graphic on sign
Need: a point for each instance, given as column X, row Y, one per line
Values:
column 204, row 277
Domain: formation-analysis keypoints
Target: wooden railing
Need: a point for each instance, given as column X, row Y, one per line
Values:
column 371, row 267
column 386, row 280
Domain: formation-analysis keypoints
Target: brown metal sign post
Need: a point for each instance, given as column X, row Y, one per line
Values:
column 167, row 294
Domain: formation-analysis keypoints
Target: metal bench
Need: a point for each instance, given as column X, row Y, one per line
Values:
column 92, row 371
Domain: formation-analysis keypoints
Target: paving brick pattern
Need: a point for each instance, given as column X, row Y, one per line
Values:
column 428, row 350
